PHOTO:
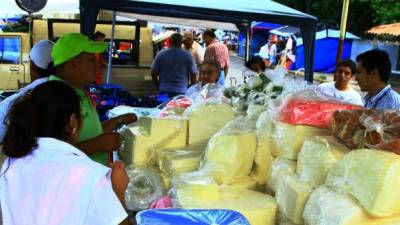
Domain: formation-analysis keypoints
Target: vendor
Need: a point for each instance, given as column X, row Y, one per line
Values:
column 256, row 64
column 341, row 89
column 46, row 180
column 373, row 71
column 75, row 64
column 209, row 74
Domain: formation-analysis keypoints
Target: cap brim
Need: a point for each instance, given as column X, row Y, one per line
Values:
column 96, row 47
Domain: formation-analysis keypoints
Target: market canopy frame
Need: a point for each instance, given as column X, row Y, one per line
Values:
column 241, row 13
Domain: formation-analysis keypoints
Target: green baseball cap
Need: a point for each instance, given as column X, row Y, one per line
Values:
column 73, row 44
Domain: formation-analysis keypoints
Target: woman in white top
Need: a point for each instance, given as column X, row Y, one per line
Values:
column 46, row 180
column 341, row 88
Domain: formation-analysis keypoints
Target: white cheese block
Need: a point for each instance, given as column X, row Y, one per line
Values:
column 279, row 167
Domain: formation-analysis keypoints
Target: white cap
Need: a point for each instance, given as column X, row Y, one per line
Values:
column 41, row 53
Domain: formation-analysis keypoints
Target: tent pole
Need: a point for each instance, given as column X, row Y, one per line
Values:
column 343, row 24
column 248, row 30
column 110, row 48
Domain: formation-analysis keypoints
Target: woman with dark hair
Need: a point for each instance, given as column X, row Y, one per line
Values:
column 45, row 179
column 256, row 64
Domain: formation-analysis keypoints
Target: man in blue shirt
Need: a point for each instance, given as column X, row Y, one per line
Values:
column 373, row 71
column 172, row 68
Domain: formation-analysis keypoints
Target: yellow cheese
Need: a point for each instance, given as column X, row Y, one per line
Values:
column 196, row 187
column 258, row 208
column 245, row 183
column 179, row 161
column 230, row 158
column 290, row 138
column 166, row 181
column 372, row 177
column 316, row 158
column 279, row 167
column 142, row 142
column 291, row 195
column 208, row 119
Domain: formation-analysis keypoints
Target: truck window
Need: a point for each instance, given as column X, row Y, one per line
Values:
column 10, row 50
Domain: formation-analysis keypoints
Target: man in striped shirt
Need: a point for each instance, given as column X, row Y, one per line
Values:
column 373, row 71
column 216, row 51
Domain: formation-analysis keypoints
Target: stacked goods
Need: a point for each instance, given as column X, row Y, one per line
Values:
column 316, row 158
column 371, row 177
column 289, row 138
column 143, row 141
column 258, row 208
column 230, row 153
column 176, row 106
column 280, row 167
column 207, row 119
column 368, row 129
column 327, row 207
column 312, row 108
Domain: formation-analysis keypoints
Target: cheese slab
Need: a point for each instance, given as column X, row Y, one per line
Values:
column 279, row 167
column 370, row 176
column 206, row 120
column 290, row 138
column 291, row 195
column 153, row 134
column 229, row 158
column 179, row 161
column 316, row 158
column 245, row 183
column 258, row 208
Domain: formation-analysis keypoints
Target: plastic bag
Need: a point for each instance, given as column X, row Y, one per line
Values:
column 190, row 217
column 276, row 75
column 312, row 108
column 145, row 186
column 174, row 107
column 368, row 129
column 140, row 112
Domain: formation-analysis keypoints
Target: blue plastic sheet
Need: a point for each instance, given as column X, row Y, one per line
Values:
column 190, row 217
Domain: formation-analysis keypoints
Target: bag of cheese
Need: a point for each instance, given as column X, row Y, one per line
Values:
column 370, row 176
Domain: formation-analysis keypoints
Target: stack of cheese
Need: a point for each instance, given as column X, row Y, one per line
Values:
column 293, row 182
column 366, row 183
column 258, row 208
column 142, row 142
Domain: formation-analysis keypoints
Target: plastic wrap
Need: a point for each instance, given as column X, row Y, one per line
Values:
column 230, row 153
column 190, row 217
column 140, row 112
column 372, row 177
column 317, row 156
column 282, row 220
column 291, row 195
column 206, row 119
column 258, row 208
column 312, row 108
column 368, row 129
column 142, row 143
column 290, row 138
column 277, row 75
column 279, row 168
column 174, row 107
column 145, row 186
column 327, row 207
column 200, row 93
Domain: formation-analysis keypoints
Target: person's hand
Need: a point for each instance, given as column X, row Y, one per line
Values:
column 119, row 177
column 109, row 142
column 127, row 118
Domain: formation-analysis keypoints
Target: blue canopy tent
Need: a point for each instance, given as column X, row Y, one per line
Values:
column 326, row 46
column 241, row 13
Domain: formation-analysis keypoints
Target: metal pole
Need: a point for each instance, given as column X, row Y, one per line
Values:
column 248, row 30
column 110, row 49
column 343, row 24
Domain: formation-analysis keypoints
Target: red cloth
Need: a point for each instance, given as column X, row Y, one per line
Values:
column 311, row 112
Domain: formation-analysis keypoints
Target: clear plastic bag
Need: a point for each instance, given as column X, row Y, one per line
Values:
column 312, row 108
column 175, row 107
column 145, row 186
column 123, row 109
column 190, row 217
column 368, row 129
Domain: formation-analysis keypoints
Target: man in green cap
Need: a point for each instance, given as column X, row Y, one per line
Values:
column 75, row 64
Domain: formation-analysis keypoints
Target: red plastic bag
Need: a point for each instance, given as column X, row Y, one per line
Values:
column 312, row 108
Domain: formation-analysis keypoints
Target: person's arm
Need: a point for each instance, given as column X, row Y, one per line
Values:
column 106, row 142
column 112, row 124
column 226, row 69
column 119, row 181
column 154, row 77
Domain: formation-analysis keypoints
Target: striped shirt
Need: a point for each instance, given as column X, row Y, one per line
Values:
column 386, row 99
column 217, row 51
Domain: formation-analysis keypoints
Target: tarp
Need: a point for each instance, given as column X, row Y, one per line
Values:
column 238, row 12
column 265, row 26
column 392, row 29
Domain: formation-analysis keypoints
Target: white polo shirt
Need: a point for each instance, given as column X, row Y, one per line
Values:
column 58, row 184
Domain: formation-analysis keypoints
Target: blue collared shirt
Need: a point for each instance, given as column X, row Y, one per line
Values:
column 386, row 99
